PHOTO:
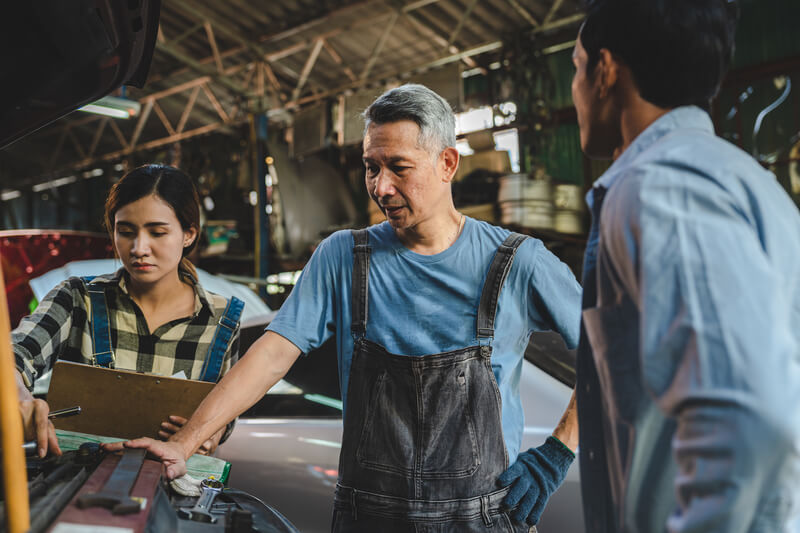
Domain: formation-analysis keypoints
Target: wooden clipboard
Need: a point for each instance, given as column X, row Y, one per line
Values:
column 120, row 403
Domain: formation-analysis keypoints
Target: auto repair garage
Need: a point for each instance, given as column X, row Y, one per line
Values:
column 454, row 265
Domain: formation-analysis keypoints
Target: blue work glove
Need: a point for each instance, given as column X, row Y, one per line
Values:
column 536, row 475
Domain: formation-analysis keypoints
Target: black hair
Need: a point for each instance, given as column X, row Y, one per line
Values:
column 168, row 183
column 677, row 50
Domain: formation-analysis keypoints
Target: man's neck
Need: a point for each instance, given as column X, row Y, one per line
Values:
column 434, row 235
column 637, row 117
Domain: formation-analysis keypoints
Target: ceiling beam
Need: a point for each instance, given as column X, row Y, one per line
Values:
column 524, row 13
column 187, row 110
column 137, row 131
column 444, row 60
column 175, row 40
column 98, row 133
column 310, row 62
column 424, row 28
column 460, row 24
column 296, row 47
column 195, row 65
column 217, row 106
column 163, row 118
column 57, row 151
column 75, row 143
column 290, row 32
column 338, row 60
column 379, row 46
column 256, row 51
column 212, row 41
column 553, row 10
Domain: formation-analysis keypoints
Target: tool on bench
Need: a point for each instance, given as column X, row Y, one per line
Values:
column 69, row 411
column 115, row 494
column 201, row 510
column 30, row 447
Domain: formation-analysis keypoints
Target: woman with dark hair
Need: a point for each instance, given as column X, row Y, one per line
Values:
column 150, row 316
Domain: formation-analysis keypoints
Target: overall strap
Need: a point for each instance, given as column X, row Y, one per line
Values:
column 501, row 265
column 101, row 329
column 360, row 285
column 222, row 337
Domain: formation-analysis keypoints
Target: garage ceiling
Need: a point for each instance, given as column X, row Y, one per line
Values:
column 216, row 61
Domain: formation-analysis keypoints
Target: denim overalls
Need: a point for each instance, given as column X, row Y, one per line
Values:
column 423, row 444
column 101, row 333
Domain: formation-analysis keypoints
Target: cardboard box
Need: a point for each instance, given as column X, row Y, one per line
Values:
column 492, row 160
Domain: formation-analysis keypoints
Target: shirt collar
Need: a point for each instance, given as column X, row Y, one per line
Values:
column 687, row 117
column 201, row 298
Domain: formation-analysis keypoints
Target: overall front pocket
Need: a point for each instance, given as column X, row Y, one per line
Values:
column 425, row 431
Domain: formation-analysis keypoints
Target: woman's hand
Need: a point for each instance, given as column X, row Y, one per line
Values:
column 37, row 426
column 174, row 423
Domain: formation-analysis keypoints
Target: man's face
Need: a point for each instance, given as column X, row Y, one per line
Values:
column 408, row 181
column 598, row 117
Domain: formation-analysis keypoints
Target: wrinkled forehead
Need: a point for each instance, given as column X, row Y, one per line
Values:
column 403, row 137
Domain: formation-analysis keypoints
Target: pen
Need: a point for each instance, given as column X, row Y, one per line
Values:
column 69, row 411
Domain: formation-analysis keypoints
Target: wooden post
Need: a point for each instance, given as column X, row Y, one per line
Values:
column 15, row 479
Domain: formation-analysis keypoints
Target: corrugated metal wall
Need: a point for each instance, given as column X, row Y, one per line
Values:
column 767, row 31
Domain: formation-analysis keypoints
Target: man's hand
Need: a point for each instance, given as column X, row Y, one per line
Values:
column 175, row 422
column 36, row 426
column 171, row 454
column 535, row 475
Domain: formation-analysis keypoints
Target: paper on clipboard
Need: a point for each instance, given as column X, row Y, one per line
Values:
column 120, row 403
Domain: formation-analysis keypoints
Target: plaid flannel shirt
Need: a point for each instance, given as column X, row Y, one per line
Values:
column 60, row 329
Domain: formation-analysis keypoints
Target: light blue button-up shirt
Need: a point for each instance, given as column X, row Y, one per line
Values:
column 693, row 351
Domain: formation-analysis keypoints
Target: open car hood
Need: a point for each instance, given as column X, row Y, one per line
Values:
column 58, row 56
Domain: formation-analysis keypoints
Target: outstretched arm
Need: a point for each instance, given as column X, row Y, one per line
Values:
column 264, row 364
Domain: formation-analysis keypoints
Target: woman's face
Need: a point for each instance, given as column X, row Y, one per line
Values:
column 149, row 239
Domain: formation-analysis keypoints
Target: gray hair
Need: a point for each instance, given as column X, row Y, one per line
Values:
column 431, row 112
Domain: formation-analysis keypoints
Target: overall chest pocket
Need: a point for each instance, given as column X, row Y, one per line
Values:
column 426, row 430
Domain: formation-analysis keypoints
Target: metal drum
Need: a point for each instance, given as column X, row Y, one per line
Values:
column 526, row 201
column 569, row 203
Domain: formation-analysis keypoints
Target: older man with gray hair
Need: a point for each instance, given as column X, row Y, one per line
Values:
column 432, row 312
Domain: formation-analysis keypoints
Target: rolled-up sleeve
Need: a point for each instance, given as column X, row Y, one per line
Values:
column 556, row 295
column 716, row 349
column 39, row 338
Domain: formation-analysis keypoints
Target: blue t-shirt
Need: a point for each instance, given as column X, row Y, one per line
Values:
column 425, row 304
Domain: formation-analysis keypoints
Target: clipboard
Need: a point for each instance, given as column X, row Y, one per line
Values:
column 120, row 403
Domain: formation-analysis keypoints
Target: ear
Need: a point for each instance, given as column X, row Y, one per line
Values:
column 607, row 72
column 189, row 236
column 449, row 159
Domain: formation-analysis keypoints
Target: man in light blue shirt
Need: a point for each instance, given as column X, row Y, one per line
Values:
column 689, row 360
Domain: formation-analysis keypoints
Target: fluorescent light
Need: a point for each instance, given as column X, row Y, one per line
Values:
column 7, row 195
column 107, row 111
column 93, row 173
column 111, row 106
column 39, row 187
